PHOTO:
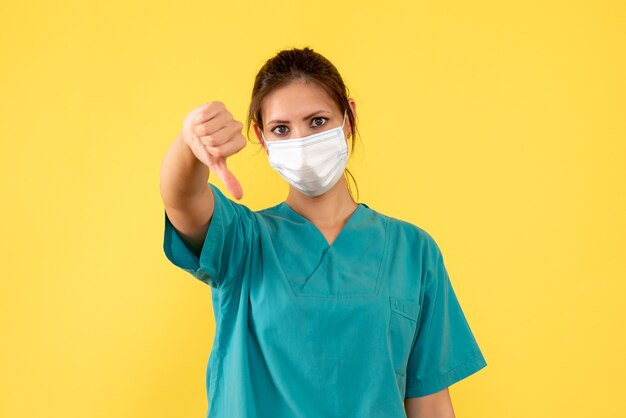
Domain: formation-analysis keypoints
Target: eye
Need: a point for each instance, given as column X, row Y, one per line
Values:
column 279, row 130
column 319, row 121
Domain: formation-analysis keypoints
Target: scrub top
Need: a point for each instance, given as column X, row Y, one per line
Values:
column 305, row 329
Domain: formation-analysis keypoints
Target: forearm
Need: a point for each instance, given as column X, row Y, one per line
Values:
column 182, row 176
column 436, row 405
column 434, row 414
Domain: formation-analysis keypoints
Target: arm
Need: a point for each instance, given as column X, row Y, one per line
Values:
column 436, row 405
column 209, row 136
column 186, row 194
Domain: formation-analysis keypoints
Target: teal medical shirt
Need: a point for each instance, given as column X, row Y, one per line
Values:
column 307, row 330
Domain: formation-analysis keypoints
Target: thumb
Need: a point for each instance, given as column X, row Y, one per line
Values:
column 230, row 181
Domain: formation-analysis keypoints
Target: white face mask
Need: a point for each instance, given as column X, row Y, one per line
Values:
column 312, row 164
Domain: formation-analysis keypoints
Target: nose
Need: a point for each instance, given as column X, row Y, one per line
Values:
column 300, row 130
column 299, row 133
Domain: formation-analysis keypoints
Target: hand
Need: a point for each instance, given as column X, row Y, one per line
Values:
column 213, row 135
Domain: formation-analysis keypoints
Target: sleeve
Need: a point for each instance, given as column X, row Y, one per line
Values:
column 445, row 350
column 226, row 247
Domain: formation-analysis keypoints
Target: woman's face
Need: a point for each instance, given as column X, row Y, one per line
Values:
column 297, row 110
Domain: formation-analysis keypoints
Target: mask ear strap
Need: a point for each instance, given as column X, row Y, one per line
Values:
column 345, row 112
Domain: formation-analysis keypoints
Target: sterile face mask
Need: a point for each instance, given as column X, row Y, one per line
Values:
column 312, row 164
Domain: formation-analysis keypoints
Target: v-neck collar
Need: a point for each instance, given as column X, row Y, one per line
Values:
column 347, row 227
column 349, row 267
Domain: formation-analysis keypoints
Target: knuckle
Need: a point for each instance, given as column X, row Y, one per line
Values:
column 200, row 115
column 241, row 143
column 218, row 152
column 210, row 140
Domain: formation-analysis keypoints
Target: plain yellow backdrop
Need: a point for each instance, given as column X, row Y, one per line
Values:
column 498, row 127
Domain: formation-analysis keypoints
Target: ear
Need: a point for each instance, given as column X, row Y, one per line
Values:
column 257, row 132
column 352, row 104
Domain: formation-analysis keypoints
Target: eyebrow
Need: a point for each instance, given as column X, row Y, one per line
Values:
column 304, row 118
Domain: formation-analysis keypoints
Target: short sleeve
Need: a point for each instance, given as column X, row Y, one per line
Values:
column 226, row 247
column 445, row 350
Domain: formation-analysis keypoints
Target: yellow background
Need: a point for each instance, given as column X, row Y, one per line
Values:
column 498, row 127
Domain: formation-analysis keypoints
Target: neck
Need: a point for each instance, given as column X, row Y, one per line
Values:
column 326, row 210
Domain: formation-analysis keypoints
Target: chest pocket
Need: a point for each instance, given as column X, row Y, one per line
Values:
column 403, row 315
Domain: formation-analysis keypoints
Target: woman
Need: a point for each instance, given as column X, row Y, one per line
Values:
column 324, row 307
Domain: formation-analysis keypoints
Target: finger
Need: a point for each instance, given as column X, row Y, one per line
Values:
column 211, row 110
column 188, row 122
column 230, row 147
column 230, row 181
column 223, row 135
column 219, row 121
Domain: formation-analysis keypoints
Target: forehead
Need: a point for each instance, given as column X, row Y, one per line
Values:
column 294, row 100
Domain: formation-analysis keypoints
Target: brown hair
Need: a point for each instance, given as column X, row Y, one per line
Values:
column 306, row 65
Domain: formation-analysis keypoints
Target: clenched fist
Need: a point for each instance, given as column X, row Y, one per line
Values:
column 213, row 135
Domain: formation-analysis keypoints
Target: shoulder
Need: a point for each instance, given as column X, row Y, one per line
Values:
column 405, row 228
column 403, row 232
column 235, row 208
